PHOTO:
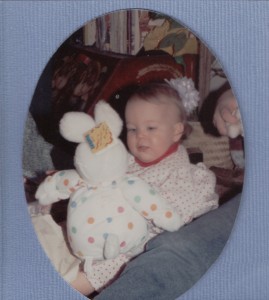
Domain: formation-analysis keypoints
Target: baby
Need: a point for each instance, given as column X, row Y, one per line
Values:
column 156, row 120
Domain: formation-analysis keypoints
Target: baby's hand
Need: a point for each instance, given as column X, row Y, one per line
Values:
column 235, row 129
column 51, row 172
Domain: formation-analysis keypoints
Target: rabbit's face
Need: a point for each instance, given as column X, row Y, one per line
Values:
column 100, row 155
column 104, row 166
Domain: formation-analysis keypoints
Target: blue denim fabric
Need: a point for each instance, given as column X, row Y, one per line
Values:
column 173, row 262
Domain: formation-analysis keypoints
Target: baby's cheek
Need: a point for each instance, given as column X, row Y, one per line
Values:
column 131, row 143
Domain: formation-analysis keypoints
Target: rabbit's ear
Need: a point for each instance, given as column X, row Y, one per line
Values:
column 74, row 125
column 103, row 112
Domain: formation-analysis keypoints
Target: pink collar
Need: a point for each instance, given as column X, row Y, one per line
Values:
column 170, row 150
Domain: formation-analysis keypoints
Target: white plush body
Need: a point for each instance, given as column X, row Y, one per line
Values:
column 109, row 228
column 108, row 211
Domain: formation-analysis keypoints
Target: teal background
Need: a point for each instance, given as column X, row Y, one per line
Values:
column 237, row 32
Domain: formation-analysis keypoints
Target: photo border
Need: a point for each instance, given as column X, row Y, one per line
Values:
column 237, row 33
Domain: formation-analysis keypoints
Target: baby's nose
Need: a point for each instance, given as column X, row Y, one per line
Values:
column 141, row 133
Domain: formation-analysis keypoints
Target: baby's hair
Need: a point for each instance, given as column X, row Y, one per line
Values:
column 151, row 92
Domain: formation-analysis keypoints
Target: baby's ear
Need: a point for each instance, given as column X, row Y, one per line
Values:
column 74, row 125
column 178, row 131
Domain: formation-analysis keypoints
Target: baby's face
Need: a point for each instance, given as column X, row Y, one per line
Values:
column 151, row 128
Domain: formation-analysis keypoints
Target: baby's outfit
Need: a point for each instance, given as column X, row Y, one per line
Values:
column 189, row 188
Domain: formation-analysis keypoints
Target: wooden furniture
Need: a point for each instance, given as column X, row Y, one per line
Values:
column 82, row 75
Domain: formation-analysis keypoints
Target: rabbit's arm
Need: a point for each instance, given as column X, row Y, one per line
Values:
column 58, row 186
column 148, row 203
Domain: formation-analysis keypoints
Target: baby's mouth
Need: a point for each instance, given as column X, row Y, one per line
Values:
column 142, row 148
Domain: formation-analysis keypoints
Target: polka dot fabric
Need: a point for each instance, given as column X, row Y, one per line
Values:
column 188, row 188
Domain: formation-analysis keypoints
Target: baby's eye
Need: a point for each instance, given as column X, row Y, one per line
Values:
column 131, row 130
column 151, row 128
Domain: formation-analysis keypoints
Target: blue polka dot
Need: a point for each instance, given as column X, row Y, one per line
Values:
column 109, row 220
column 130, row 182
column 105, row 235
column 73, row 204
column 62, row 173
column 83, row 199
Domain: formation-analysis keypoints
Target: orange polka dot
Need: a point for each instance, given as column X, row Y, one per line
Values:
column 153, row 207
column 72, row 190
column 130, row 225
column 90, row 220
column 66, row 182
column 144, row 213
column 168, row 214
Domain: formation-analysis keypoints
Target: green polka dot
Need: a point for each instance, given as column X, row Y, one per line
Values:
column 152, row 192
column 137, row 199
column 74, row 230
column 61, row 173
column 83, row 199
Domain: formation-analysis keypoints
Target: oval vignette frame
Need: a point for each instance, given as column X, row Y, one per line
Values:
column 80, row 101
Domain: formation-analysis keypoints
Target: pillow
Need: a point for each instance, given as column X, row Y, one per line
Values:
column 216, row 150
